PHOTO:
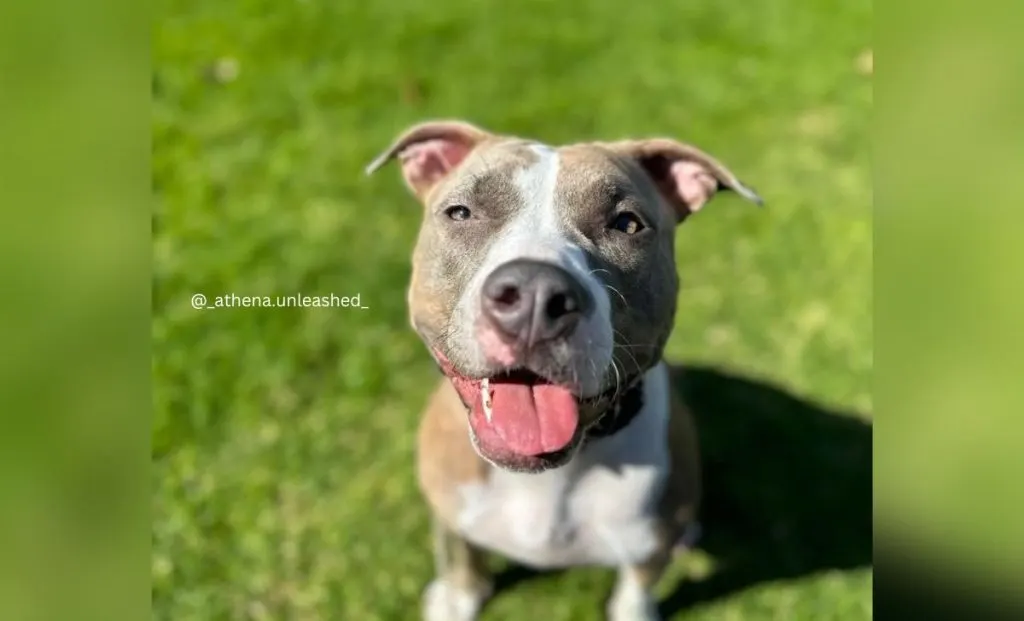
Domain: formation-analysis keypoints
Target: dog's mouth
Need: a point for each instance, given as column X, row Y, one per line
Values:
column 524, row 414
column 518, row 416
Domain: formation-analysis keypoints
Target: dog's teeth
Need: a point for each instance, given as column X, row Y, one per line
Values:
column 485, row 392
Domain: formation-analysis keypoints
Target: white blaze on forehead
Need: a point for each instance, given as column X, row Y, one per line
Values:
column 536, row 229
column 537, row 184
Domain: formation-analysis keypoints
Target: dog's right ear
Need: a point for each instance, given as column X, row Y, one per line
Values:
column 429, row 151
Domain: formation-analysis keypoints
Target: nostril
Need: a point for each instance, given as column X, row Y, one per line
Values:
column 507, row 296
column 560, row 305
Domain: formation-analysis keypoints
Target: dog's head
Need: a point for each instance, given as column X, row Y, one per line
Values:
column 544, row 278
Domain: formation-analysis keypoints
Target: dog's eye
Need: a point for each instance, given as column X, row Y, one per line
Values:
column 457, row 212
column 627, row 223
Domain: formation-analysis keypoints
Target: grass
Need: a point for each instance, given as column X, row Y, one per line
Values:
column 283, row 484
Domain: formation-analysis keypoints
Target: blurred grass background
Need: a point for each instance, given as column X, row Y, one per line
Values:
column 282, row 439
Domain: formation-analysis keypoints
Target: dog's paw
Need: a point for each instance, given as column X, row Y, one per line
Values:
column 631, row 604
column 443, row 602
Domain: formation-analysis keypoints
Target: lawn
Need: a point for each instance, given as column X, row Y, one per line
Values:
column 283, row 485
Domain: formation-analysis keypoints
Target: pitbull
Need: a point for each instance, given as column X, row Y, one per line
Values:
column 544, row 285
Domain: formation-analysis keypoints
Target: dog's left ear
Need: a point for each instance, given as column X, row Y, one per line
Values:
column 685, row 176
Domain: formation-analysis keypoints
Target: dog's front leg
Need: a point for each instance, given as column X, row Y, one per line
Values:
column 462, row 583
column 633, row 598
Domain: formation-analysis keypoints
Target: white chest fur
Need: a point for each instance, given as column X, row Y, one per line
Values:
column 599, row 509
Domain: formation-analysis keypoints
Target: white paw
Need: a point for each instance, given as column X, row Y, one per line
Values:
column 443, row 602
column 631, row 604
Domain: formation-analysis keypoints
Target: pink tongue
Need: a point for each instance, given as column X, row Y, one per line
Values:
column 533, row 419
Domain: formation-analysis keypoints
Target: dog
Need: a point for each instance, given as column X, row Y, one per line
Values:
column 544, row 286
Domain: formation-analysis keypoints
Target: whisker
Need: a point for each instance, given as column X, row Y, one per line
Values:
column 610, row 287
column 618, row 377
column 619, row 293
column 636, row 363
column 639, row 345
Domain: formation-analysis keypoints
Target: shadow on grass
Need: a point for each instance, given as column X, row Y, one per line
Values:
column 787, row 486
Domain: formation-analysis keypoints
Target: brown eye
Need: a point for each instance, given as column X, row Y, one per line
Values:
column 457, row 212
column 627, row 223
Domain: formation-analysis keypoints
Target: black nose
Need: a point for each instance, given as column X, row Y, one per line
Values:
column 532, row 301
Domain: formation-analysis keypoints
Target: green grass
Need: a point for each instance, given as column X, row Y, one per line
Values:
column 283, row 438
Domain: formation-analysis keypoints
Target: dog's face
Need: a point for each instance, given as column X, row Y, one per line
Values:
column 544, row 278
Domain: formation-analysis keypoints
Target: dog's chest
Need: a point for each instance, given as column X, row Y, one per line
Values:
column 600, row 509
